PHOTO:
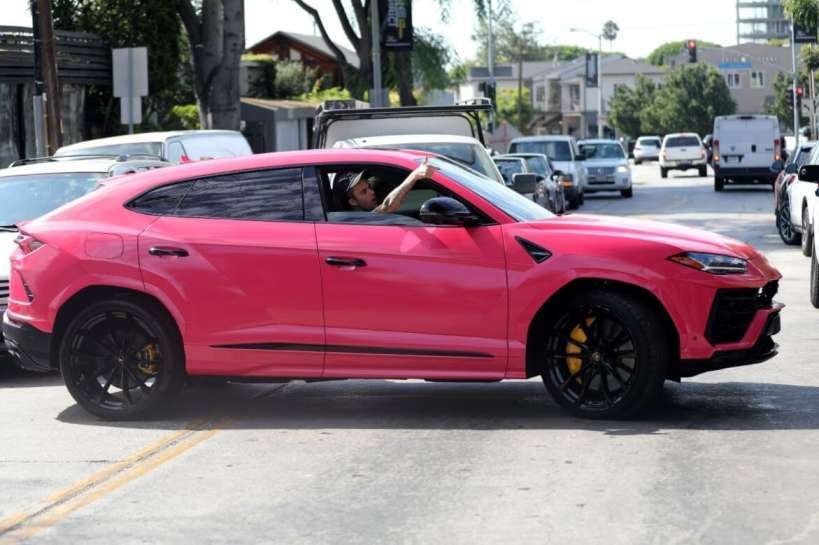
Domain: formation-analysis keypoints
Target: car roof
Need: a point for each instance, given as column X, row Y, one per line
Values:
column 674, row 134
column 599, row 141
column 60, row 166
column 525, row 154
column 651, row 136
column 544, row 138
column 374, row 141
column 139, row 138
column 509, row 158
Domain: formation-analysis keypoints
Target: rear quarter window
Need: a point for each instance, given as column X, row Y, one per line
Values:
column 161, row 200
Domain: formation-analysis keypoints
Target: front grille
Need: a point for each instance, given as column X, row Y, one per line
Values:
column 734, row 309
column 601, row 171
column 4, row 293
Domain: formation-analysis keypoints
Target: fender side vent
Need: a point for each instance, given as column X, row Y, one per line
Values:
column 535, row 252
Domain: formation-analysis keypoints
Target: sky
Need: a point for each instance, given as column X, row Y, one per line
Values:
column 644, row 24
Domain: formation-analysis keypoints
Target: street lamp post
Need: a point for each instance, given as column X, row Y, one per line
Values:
column 599, row 77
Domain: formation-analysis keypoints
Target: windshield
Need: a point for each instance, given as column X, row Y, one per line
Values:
column 603, row 151
column 139, row 148
column 538, row 165
column 802, row 156
column 512, row 203
column 470, row 155
column 27, row 197
column 508, row 168
column 681, row 141
column 557, row 150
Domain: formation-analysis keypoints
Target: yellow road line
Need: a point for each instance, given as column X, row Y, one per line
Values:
column 25, row 524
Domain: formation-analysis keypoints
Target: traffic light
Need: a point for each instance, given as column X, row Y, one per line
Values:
column 691, row 45
column 800, row 91
column 487, row 90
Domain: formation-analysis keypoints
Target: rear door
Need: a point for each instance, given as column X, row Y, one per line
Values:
column 239, row 260
column 748, row 141
column 683, row 148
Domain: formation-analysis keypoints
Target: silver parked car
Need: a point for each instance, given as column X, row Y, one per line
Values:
column 606, row 166
column 552, row 187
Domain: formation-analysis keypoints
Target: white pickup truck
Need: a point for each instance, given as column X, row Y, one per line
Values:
column 682, row 151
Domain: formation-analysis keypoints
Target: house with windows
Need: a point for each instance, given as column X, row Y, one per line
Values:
column 749, row 70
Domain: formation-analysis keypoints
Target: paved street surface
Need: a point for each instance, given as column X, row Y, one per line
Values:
column 727, row 457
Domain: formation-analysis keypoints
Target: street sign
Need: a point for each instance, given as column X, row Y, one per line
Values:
column 803, row 34
column 130, row 74
column 396, row 27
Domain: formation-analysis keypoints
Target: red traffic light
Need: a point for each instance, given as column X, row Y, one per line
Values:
column 800, row 91
column 692, row 44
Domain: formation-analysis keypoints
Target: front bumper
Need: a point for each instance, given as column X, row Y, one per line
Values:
column 613, row 183
column 29, row 345
column 763, row 349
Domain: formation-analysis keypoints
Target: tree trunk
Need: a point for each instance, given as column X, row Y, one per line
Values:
column 403, row 61
column 217, row 42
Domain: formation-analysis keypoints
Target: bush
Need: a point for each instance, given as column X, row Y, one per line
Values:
column 184, row 117
column 293, row 79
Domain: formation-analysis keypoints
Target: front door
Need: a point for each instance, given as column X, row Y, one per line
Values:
column 414, row 301
column 241, row 265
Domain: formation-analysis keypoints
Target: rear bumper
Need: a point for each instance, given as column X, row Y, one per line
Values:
column 763, row 349
column 747, row 173
column 29, row 345
column 683, row 165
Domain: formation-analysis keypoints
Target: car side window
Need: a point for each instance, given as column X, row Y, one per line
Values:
column 162, row 200
column 266, row 195
column 175, row 152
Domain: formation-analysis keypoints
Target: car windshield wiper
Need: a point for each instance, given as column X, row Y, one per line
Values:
column 9, row 228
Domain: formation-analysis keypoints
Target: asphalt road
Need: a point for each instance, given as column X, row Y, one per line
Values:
column 727, row 457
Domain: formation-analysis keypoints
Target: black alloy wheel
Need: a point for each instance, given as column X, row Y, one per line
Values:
column 807, row 234
column 121, row 358
column 605, row 357
column 783, row 222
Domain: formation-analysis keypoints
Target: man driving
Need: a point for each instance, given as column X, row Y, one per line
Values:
column 353, row 190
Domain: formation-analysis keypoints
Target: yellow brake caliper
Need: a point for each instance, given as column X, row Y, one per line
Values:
column 148, row 356
column 577, row 334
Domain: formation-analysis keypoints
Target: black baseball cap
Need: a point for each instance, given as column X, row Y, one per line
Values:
column 343, row 185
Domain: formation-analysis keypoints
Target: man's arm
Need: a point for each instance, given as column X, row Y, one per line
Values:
column 392, row 202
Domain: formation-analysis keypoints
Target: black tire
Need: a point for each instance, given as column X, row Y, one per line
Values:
column 127, row 343
column 814, row 281
column 663, row 173
column 619, row 341
column 581, row 199
column 783, row 222
column 638, row 161
column 719, row 183
column 703, row 171
column 807, row 234
column 627, row 193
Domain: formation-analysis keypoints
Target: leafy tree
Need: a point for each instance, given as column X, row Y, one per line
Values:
column 782, row 105
column 664, row 52
column 627, row 104
column 508, row 109
column 689, row 100
column 563, row 52
column 803, row 12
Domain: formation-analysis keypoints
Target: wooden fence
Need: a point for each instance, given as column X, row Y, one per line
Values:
column 82, row 58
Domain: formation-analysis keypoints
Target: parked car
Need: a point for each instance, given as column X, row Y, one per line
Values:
column 565, row 156
column 552, row 186
column 452, row 131
column 744, row 148
column 173, row 146
column 647, row 148
column 519, row 177
column 482, row 284
column 682, row 151
column 785, row 182
column 809, row 174
column 29, row 189
column 607, row 167
column 802, row 201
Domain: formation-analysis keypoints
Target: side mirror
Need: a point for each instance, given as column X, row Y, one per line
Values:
column 809, row 173
column 447, row 211
column 524, row 183
column 791, row 168
column 557, row 175
column 777, row 165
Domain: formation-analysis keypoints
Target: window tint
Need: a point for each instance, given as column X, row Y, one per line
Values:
column 682, row 141
column 264, row 195
column 162, row 200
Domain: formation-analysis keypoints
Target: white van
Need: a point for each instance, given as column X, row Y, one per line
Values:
column 745, row 147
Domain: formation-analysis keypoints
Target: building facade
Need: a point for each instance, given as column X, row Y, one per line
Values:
column 761, row 20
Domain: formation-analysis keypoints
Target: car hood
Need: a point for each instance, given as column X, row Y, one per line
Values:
column 673, row 237
column 7, row 247
column 593, row 163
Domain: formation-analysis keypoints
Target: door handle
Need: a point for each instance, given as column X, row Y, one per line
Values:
column 168, row 251
column 345, row 262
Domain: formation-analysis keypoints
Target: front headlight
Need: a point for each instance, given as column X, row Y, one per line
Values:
column 622, row 169
column 711, row 263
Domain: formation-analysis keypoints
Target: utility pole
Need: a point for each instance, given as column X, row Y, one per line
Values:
column 600, row 86
column 37, row 105
column 49, row 64
column 491, row 63
column 793, row 90
column 375, row 100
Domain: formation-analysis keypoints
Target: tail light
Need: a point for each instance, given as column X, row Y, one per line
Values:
column 715, row 149
column 702, row 153
column 777, row 150
column 28, row 243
